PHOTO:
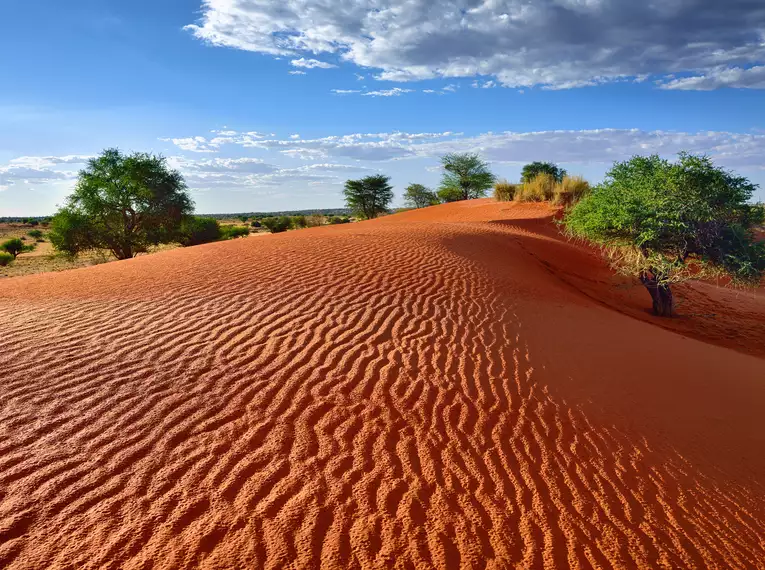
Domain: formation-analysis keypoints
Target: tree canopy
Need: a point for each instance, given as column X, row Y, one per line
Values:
column 668, row 222
column 465, row 177
column 370, row 196
column 419, row 196
column 123, row 203
column 533, row 169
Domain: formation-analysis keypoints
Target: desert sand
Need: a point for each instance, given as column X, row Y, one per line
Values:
column 455, row 387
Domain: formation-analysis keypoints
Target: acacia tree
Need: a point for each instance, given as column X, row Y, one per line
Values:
column 419, row 196
column 123, row 203
column 669, row 222
column 370, row 196
column 534, row 169
column 465, row 177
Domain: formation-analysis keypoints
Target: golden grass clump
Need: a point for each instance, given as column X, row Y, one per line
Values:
column 504, row 191
column 539, row 189
column 570, row 191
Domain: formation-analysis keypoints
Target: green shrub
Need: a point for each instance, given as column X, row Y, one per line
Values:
column 37, row 234
column 504, row 191
column 299, row 222
column 668, row 222
column 255, row 224
column 539, row 189
column 197, row 230
column 334, row 220
column 315, row 220
column 277, row 224
column 231, row 232
column 6, row 259
column 13, row 246
column 570, row 191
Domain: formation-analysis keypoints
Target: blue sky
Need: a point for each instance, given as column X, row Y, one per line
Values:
column 273, row 105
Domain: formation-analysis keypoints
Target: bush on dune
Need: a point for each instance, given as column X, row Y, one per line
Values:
column 669, row 222
column 231, row 232
column 504, row 191
column 277, row 224
column 466, row 177
column 570, row 190
column 14, row 247
column 37, row 234
column 197, row 230
column 538, row 189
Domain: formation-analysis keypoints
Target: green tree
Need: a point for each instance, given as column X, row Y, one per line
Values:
column 419, row 196
column 370, row 196
column 668, row 222
column 465, row 177
column 123, row 203
column 533, row 169
column 277, row 224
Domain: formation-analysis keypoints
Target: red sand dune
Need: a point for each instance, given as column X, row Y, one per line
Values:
column 457, row 387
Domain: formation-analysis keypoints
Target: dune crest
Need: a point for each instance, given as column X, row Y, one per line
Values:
column 455, row 387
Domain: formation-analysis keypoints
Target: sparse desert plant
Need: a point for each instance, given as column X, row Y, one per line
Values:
column 465, row 177
column 370, row 196
column 504, row 191
column 231, row 232
column 419, row 196
column 570, row 190
column 122, row 203
column 669, row 222
column 533, row 169
column 277, row 224
column 37, row 234
column 196, row 230
column 6, row 258
column 538, row 189
column 255, row 224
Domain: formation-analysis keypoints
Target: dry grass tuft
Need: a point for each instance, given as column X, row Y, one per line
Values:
column 505, row 191
column 570, row 191
column 539, row 189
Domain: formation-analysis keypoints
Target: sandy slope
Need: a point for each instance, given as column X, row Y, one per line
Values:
column 454, row 388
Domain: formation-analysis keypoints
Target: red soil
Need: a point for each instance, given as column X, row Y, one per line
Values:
column 453, row 387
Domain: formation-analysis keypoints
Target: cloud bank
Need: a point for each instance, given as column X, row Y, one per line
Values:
column 555, row 44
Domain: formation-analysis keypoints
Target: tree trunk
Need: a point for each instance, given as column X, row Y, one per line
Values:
column 661, row 294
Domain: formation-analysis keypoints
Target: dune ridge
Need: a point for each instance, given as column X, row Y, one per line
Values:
column 450, row 388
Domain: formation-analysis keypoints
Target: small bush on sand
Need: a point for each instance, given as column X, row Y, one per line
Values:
column 231, row 232
column 504, row 191
column 334, row 220
column 37, row 234
column 255, row 224
column 570, row 191
column 315, row 220
column 299, row 222
column 539, row 189
column 5, row 259
column 277, row 224
column 196, row 230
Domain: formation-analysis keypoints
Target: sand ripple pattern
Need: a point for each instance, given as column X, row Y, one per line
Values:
column 355, row 397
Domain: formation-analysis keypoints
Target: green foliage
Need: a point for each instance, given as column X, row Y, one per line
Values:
column 504, row 191
column 570, row 191
column 669, row 222
column 255, row 224
column 533, row 169
column 231, row 232
column 122, row 203
column 465, row 175
column 538, row 189
column 370, row 196
column 37, row 234
column 277, row 224
column 299, row 222
column 13, row 246
column 334, row 220
column 243, row 219
column 6, row 258
column 419, row 196
column 196, row 230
